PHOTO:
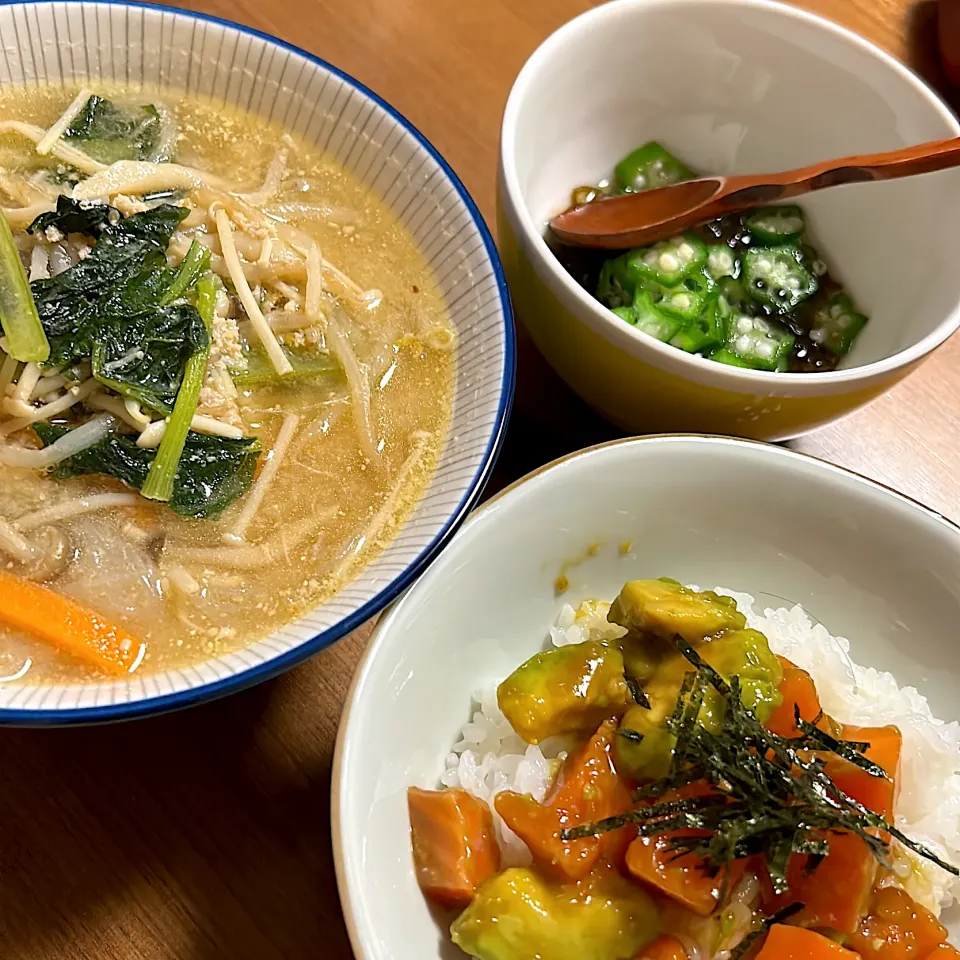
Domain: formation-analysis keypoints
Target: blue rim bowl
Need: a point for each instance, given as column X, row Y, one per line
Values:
column 180, row 49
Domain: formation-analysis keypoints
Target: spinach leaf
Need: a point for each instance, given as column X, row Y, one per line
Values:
column 155, row 225
column 116, row 456
column 68, row 319
column 107, row 133
column 213, row 472
column 141, row 292
column 73, row 305
column 143, row 356
column 76, row 216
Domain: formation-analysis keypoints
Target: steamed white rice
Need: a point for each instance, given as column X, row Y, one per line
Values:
column 489, row 757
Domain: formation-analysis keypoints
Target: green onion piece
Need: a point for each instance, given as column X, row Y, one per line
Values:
column 193, row 264
column 26, row 340
column 163, row 470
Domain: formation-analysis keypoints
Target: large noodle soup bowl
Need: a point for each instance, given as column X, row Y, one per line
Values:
column 82, row 43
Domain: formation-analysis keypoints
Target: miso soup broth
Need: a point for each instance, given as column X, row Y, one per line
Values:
column 224, row 389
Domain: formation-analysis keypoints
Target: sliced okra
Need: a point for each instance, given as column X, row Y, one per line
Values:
column 777, row 277
column 772, row 226
column 648, row 167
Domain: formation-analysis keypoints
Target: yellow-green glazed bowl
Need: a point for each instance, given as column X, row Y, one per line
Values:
column 731, row 86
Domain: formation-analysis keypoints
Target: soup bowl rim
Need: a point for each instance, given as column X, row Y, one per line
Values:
column 257, row 673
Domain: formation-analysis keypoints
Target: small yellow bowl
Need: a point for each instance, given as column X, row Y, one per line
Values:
column 730, row 86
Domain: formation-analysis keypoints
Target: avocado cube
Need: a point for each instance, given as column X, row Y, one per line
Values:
column 570, row 689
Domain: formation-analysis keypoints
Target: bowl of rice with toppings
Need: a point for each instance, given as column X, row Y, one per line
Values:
column 552, row 710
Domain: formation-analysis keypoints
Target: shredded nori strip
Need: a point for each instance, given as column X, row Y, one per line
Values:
column 636, row 691
column 648, row 819
column 851, row 750
column 632, row 735
column 770, row 794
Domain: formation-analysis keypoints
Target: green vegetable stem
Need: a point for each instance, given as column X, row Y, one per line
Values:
column 163, row 470
column 26, row 340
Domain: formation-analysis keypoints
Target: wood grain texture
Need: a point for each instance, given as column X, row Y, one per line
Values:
column 205, row 835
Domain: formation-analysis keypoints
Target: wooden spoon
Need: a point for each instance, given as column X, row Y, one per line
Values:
column 637, row 219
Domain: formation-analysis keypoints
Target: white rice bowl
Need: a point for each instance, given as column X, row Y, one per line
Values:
column 488, row 756
column 867, row 563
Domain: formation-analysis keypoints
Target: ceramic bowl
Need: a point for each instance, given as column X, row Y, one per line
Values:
column 731, row 86
column 868, row 563
column 78, row 43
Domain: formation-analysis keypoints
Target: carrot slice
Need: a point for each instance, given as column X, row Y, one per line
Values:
column 66, row 625
column 797, row 690
column 663, row 948
column 588, row 788
column 794, row 943
column 897, row 928
column 873, row 792
column 454, row 844
column 836, row 894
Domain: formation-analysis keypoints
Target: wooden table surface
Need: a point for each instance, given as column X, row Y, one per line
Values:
column 205, row 835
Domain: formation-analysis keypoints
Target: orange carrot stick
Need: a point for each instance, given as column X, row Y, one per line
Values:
column 66, row 625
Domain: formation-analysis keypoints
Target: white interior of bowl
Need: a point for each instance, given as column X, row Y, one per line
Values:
column 84, row 42
column 869, row 564
column 753, row 87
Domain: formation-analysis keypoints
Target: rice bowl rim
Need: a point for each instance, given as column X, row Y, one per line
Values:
column 696, row 437
column 356, row 692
